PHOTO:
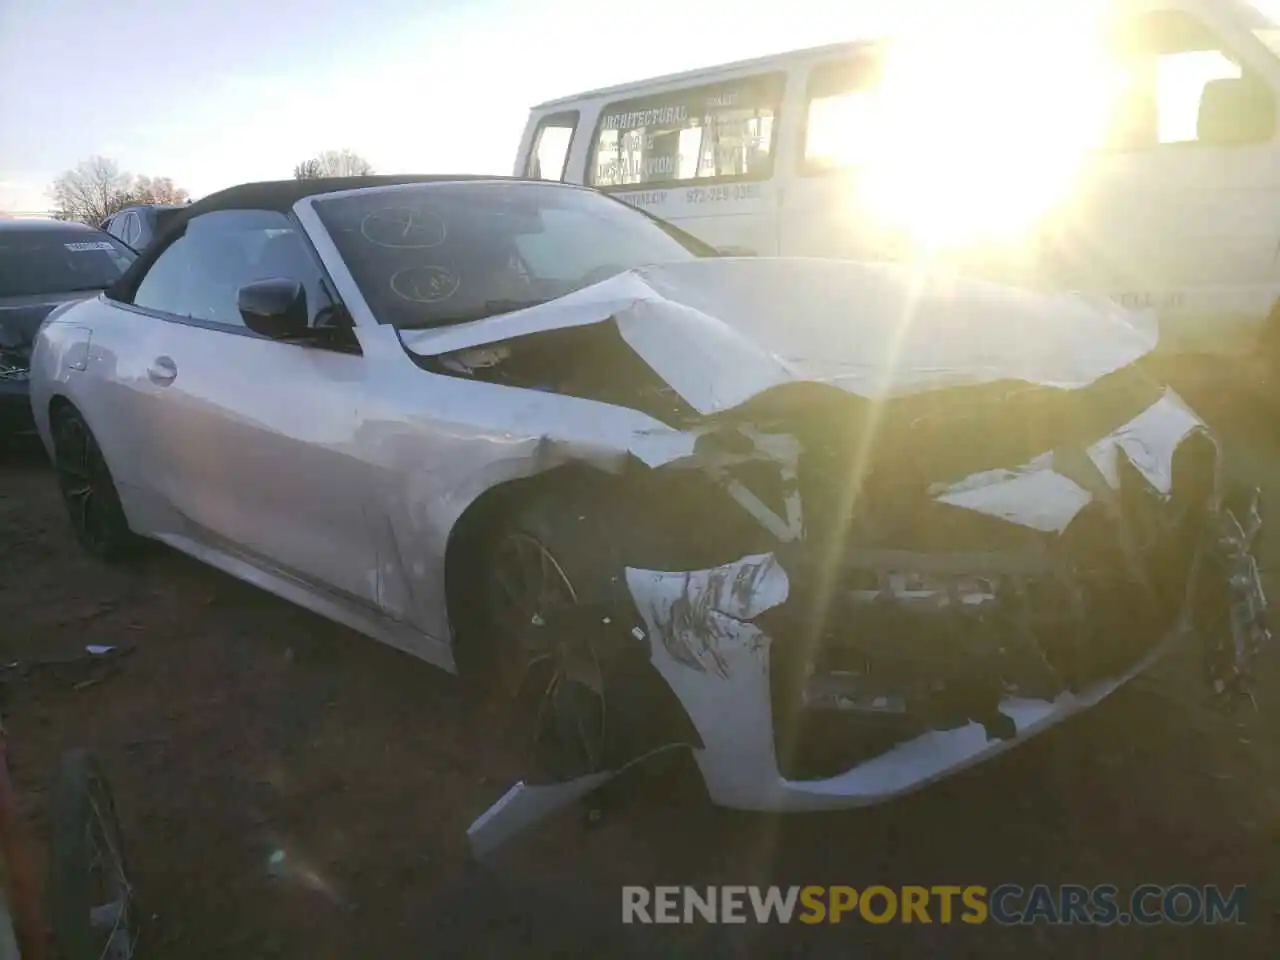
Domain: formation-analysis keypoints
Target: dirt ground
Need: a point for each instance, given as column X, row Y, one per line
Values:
column 241, row 726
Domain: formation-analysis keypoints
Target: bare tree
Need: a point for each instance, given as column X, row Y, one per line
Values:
column 307, row 170
column 91, row 191
column 96, row 188
column 333, row 163
column 156, row 190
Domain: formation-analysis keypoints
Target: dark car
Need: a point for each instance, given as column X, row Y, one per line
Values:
column 138, row 225
column 44, row 263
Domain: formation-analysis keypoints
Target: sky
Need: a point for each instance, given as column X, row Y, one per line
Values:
column 227, row 91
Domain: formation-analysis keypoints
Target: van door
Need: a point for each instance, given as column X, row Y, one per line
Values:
column 701, row 157
column 1180, row 213
column 820, row 214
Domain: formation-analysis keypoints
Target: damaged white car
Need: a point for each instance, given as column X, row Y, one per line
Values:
column 837, row 529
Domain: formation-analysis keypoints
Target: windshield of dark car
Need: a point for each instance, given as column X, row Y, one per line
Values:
column 433, row 254
column 43, row 261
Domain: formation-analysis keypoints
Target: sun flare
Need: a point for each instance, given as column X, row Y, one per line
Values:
column 979, row 129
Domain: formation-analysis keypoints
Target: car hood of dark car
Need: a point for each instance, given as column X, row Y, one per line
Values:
column 721, row 331
column 20, row 317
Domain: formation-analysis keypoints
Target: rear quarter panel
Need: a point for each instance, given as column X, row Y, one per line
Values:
column 60, row 349
column 71, row 358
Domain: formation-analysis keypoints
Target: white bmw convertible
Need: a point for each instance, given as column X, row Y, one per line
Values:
column 837, row 529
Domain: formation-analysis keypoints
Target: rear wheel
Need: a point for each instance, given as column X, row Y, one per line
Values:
column 88, row 490
column 91, row 899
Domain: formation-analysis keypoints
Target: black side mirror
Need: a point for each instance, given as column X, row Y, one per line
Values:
column 275, row 308
column 1236, row 111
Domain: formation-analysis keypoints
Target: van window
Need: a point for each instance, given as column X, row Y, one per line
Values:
column 840, row 116
column 722, row 131
column 1167, row 63
column 1180, row 83
column 550, row 151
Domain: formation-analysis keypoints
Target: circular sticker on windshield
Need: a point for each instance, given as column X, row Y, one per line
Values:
column 403, row 227
column 425, row 284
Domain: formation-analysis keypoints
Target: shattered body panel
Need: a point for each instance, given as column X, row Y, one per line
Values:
column 728, row 639
column 636, row 369
column 708, row 641
column 732, row 639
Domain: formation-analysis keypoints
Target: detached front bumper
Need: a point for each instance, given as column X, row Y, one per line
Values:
column 708, row 643
column 718, row 661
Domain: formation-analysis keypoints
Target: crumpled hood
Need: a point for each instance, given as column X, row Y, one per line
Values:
column 720, row 331
column 20, row 317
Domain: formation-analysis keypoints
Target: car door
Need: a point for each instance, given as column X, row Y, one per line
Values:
column 248, row 438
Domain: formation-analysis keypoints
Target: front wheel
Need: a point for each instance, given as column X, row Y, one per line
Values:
column 555, row 680
column 559, row 638
column 548, row 578
column 91, row 898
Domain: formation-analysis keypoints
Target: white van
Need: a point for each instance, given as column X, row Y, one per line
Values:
column 1174, row 208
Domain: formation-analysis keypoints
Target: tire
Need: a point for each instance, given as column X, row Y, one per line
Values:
column 89, row 491
column 87, row 864
column 556, row 658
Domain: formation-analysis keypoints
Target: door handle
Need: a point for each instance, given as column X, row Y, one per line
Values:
column 162, row 371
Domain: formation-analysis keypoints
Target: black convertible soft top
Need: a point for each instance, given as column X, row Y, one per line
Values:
column 283, row 194
column 278, row 195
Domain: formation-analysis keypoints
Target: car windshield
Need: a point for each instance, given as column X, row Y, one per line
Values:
column 434, row 254
column 43, row 261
